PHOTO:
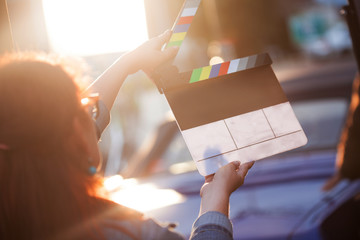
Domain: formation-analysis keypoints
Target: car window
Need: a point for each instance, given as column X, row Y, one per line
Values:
column 322, row 121
column 177, row 158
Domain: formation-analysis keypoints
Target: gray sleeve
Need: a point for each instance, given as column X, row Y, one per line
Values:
column 103, row 119
column 212, row 225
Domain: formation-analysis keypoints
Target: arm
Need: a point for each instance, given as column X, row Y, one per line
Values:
column 348, row 152
column 146, row 57
column 213, row 222
column 350, row 167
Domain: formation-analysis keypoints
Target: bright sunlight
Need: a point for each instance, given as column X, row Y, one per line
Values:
column 90, row 27
column 141, row 197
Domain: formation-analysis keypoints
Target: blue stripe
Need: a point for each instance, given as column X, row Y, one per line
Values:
column 215, row 70
column 181, row 28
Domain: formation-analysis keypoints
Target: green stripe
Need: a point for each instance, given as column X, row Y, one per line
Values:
column 176, row 43
column 195, row 76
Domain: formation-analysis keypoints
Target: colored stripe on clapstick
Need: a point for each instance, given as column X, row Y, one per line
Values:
column 232, row 66
column 183, row 22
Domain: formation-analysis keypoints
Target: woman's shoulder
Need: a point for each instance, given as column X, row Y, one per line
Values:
column 120, row 222
column 114, row 211
column 146, row 228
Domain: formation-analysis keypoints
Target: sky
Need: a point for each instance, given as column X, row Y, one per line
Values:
column 91, row 27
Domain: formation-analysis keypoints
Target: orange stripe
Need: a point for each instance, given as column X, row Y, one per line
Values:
column 224, row 68
column 185, row 20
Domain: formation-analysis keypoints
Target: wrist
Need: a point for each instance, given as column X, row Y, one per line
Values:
column 129, row 63
column 215, row 201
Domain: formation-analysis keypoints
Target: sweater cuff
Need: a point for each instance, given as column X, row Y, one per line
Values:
column 213, row 218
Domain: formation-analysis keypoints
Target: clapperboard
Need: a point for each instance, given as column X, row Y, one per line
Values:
column 231, row 111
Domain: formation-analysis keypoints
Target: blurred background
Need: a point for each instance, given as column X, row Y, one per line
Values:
column 311, row 49
column 298, row 35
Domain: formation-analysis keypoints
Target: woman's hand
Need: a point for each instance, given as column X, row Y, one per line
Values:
column 149, row 55
column 146, row 57
column 218, row 187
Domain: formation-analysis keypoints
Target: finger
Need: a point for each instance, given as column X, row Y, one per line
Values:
column 170, row 52
column 161, row 58
column 236, row 164
column 232, row 166
column 209, row 178
column 244, row 168
column 164, row 37
column 250, row 164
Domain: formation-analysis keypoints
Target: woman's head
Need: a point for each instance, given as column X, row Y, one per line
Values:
column 38, row 103
column 48, row 142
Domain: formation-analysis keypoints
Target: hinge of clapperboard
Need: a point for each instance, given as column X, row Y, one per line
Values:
column 168, row 77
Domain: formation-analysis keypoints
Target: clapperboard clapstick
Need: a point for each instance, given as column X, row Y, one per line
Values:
column 231, row 111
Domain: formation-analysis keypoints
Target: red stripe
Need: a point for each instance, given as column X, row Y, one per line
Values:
column 224, row 68
column 185, row 20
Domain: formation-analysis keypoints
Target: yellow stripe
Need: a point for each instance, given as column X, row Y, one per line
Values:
column 177, row 37
column 205, row 73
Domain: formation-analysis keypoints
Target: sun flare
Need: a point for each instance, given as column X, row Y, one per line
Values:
column 89, row 27
column 141, row 197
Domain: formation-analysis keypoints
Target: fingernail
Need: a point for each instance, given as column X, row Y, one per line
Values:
column 237, row 163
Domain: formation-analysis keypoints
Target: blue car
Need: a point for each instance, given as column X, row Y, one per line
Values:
column 282, row 197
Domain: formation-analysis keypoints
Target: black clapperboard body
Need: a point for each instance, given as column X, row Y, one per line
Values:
column 231, row 111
